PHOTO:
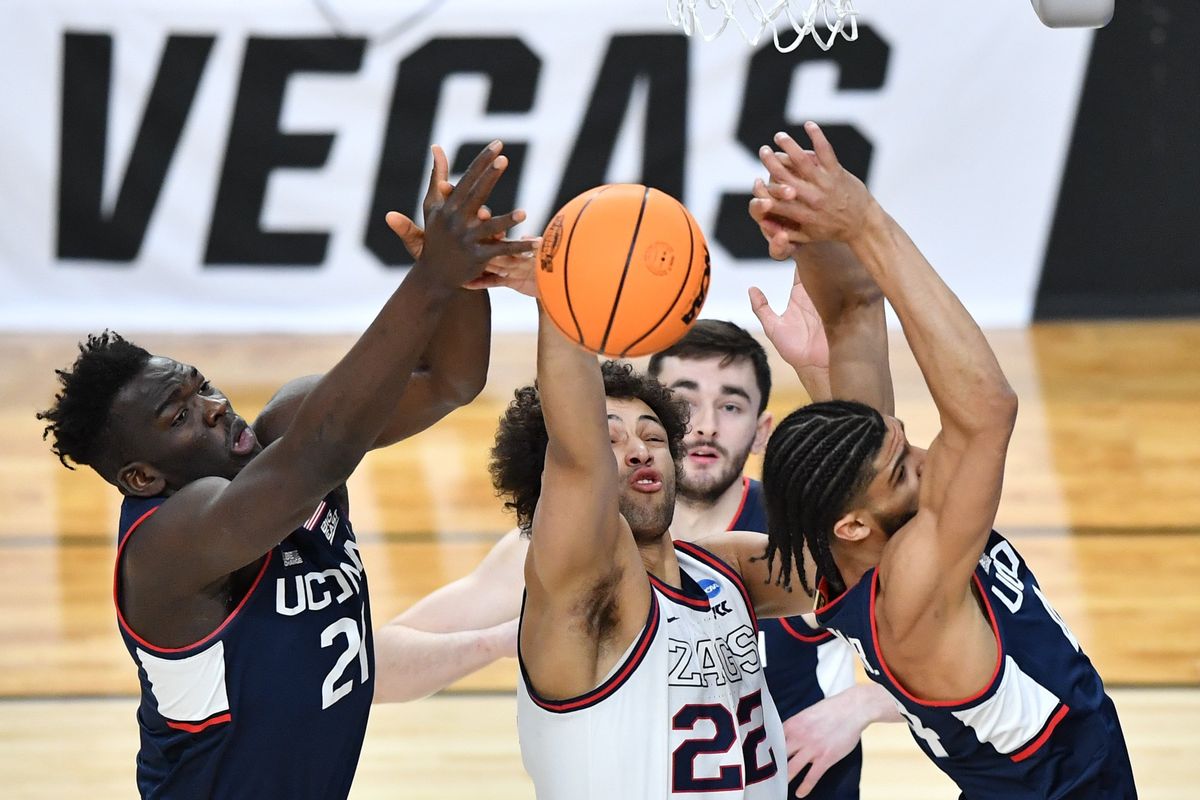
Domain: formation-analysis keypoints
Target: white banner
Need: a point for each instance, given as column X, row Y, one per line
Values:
column 214, row 166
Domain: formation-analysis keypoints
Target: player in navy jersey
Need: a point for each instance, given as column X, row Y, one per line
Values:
column 942, row 610
column 239, row 589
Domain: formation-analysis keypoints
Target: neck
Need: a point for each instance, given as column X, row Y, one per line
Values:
column 854, row 560
column 695, row 520
column 658, row 557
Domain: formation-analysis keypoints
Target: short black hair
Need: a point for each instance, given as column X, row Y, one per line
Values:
column 712, row 338
column 817, row 464
column 519, row 454
column 78, row 419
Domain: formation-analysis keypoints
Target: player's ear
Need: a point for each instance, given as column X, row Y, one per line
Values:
column 139, row 479
column 852, row 527
column 762, row 432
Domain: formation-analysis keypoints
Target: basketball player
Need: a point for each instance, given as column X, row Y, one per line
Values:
column 723, row 374
column 942, row 610
column 239, row 588
column 617, row 636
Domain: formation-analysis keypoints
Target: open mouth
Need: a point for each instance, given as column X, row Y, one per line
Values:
column 704, row 455
column 243, row 438
column 646, row 480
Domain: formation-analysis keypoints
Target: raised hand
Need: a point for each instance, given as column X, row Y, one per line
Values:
column 817, row 198
column 461, row 235
column 798, row 333
column 514, row 271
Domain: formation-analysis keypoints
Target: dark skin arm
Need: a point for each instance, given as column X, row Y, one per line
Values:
column 453, row 369
column 179, row 569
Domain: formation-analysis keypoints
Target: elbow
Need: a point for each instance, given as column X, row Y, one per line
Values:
column 998, row 411
column 460, row 390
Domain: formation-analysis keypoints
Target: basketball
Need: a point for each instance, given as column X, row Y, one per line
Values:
column 623, row 270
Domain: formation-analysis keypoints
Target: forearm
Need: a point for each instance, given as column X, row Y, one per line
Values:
column 816, row 382
column 572, row 397
column 457, row 356
column 411, row 664
column 962, row 372
column 851, row 308
column 349, row 407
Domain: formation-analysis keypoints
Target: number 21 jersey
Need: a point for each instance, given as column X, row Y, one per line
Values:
column 274, row 702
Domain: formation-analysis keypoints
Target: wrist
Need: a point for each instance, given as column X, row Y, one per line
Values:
column 872, row 235
column 433, row 280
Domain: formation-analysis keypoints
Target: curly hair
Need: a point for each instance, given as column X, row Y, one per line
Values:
column 520, row 450
column 78, row 419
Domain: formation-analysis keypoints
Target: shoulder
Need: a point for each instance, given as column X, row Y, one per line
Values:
column 277, row 414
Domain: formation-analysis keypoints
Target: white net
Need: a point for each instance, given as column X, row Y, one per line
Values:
column 788, row 20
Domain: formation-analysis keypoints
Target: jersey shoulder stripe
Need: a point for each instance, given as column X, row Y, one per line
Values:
column 620, row 675
column 705, row 557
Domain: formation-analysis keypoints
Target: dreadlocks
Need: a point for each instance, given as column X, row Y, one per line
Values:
column 817, row 462
column 79, row 417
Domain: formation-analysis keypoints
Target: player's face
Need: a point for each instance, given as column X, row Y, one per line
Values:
column 173, row 427
column 725, row 425
column 891, row 496
column 645, row 471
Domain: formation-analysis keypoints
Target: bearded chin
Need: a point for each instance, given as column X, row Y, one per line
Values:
column 649, row 520
column 707, row 492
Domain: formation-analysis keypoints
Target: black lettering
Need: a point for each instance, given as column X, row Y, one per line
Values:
column 513, row 70
column 257, row 147
column 861, row 66
column 661, row 61
column 85, row 231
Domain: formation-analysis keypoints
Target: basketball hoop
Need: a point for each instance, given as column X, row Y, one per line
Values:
column 823, row 20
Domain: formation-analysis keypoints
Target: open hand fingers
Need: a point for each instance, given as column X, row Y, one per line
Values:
column 817, row 769
column 801, row 162
column 506, row 247
column 477, row 182
column 492, row 226
column 821, row 146
column 439, row 187
column 409, row 232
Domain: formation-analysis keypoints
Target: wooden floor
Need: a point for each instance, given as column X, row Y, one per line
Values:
column 1102, row 496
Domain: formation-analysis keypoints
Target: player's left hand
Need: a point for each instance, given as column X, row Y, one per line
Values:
column 822, row 735
column 798, row 333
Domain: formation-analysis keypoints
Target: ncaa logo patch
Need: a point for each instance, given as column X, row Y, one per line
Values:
column 710, row 587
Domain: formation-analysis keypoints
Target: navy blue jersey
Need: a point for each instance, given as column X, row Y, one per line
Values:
column 274, row 702
column 1042, row 727
column 803, row 666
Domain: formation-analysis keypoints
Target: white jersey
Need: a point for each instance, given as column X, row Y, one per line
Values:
column 685, row 712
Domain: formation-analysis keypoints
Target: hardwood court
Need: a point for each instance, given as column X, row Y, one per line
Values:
column 1102, row 496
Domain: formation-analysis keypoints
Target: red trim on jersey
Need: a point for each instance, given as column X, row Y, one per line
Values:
column 816, row 637
column 612, row 684
column 196, row 728
column 1033, row 746
column 679, row 597
column 700, row 554
column 823, row 591
column 939, row 703
column 741, row 505
column 121, row 617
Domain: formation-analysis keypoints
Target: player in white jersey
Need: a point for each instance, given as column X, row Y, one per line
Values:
column 601, row 712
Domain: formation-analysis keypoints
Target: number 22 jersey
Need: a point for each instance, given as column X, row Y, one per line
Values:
column 274, row 702
column 685, row 713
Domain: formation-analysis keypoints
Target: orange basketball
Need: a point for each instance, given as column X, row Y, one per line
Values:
column 623, row 270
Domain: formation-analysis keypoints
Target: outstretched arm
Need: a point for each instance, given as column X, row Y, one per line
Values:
column 587, row 594
column 338, row 420
column 831, row 280
column 453, row 369
column 960, row 485
column 454, row 631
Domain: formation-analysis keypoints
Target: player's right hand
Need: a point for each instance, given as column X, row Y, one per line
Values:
column 458, row 240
